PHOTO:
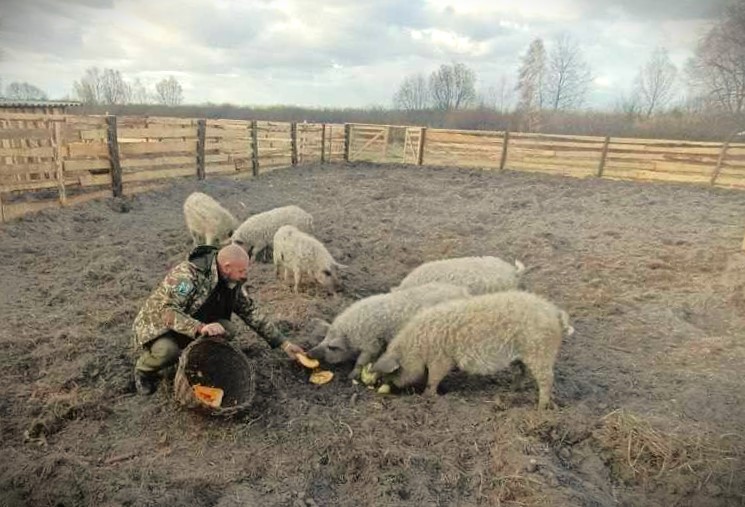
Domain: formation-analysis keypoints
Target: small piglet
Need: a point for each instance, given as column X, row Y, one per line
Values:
column 305, row 256
column 208, row 222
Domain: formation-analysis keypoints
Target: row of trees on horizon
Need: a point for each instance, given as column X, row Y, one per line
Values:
column 704, row 100
column 559, row 79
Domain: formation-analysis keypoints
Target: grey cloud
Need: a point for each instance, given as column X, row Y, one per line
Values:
column 653, row 10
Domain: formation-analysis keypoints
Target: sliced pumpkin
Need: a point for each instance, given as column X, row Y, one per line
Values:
column 212, row 396
column 384, row 389
column 320, row 377
column 307, row 361
column 367, row 376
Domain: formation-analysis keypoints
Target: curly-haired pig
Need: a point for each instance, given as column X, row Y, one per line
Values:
column 479, row 335
column 363, row 330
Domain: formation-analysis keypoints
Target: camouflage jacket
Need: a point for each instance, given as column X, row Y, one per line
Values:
column 183, row 291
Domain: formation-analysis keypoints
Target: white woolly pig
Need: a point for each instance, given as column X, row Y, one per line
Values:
column 479, row 335
column 257, row 232
column 305, row 257
column 208, row 222
column 480, row 275
column 364, row 328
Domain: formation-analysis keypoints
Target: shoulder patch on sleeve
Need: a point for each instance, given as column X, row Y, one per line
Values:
column 184, row 288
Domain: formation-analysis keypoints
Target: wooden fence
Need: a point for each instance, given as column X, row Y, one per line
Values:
column 56, row 160
column 719, row 164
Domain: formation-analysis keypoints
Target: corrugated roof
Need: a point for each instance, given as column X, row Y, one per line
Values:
column 37, row 103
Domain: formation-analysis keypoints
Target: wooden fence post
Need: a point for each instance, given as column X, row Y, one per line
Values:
column 254, row 148
column 201, row 134
column 323, row 143
column 116, row 168
column 293, row 142
column 347, row 140
column 420, row 154
column 385, row 141
column 720, row 160
column 603, row 156
column 58, row 162
column 505, row 142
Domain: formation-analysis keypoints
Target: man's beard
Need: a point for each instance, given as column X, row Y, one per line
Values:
column 231, row 284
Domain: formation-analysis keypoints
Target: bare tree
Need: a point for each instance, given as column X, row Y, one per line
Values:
column 629, row 105
column 24, row 91
column 655, row 82
column 114, row 89
column 413, row 94
column 452, row 86
column 499, row 97
column 718, row 66
column 139, row 94
column 531, row 83
column 107, row 87
column 89, row 89
column 568, row 76
column 169, row 92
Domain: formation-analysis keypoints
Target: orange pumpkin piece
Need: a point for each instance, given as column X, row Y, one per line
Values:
column 307, row 361
column 320, row 377
column 212, row 396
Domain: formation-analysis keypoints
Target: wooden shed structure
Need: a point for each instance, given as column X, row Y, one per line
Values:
column 38, row 106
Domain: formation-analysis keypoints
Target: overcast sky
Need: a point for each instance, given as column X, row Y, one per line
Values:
column 333, row 52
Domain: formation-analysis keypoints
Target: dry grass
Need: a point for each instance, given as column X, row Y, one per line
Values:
column 640, row 453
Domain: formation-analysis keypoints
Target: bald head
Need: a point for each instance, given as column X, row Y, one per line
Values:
column 232, row 263
column 233, row 254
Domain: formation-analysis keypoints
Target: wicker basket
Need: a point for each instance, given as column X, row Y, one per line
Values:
column 216, row 363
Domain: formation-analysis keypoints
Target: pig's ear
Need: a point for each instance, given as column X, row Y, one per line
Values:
column 341, row 266
column 317, row 328
column 386, row 364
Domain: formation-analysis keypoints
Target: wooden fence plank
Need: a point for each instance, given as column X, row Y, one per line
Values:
column 35, row 151
column 157, row 174
column 25, row 133
column 85, row 165
column 92, row 180
column 221, row 168
column 28, row 185
column 616, row 146
column 135, row 163
column 26, row 169
column 145, row 148
column 548, row 145
column 83, row 149
column 157, row 132
column 664, row 142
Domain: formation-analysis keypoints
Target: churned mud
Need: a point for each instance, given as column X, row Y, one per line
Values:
column 650, row 389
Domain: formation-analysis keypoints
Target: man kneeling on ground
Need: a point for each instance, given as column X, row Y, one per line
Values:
column 197, row 297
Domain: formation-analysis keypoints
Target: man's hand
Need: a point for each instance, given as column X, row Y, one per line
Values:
column 213, row 329
column 291, row 349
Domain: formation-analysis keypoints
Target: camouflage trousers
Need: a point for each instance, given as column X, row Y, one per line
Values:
column 165, row 350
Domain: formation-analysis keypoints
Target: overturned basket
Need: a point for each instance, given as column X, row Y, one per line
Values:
column 214, row 362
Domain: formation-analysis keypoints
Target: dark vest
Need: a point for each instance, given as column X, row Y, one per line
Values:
column 219, row 304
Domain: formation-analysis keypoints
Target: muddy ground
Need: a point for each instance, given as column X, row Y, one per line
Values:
column 650, row 389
